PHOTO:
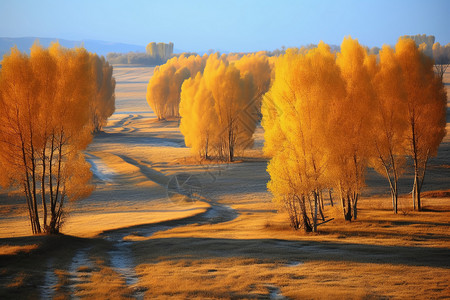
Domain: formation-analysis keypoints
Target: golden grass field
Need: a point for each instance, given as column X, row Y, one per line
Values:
column 139, row 235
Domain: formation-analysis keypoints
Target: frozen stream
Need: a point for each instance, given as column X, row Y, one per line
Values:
column 121, row 256
column 100, row 169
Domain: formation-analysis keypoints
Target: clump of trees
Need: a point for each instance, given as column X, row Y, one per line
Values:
column 103, row 102
column 440, row 54
column 328, row 116
column 161, row 50
column 156, row 54
column 46, row 121
column 164, row 87
column 426, row 100
column 297, row 125
column 220, row 106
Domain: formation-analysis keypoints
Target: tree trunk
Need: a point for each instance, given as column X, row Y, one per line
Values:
column 44, row 204
column 416, row 165
column 306, row 225
column 395, row 196
column 30, row 209
column 316, row 207
column 417, row 193
column 331, row 198
column 355, row 207
column 321, row 213
column 34, row 193
column 348, row 212
column 321, row 201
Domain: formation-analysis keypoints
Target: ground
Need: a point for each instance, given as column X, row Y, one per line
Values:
column 161, row 224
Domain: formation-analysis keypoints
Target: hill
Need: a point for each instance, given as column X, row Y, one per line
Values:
column 99, row 47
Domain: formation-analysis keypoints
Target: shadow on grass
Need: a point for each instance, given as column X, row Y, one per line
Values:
column 284, row 250
column 24, row 275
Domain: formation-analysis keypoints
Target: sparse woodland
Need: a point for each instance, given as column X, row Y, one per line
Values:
column 51, row 101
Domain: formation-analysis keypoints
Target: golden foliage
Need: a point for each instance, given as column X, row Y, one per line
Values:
column 297, row 127
column 219, row 107
column 426, row 101
column 327, row 115
column 102, row 105
column 45, row 123
column 164, row 87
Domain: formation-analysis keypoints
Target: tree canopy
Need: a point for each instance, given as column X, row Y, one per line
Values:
column 46, row 121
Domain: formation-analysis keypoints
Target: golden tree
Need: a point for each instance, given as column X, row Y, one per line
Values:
column 390, row 121
column 44, row 126
column 259, row 67
column 164, row 87
column 216, row 103
column 352, row 118
column 199, row 119
column 426, row 109
column 297, row 125
column 102, row 105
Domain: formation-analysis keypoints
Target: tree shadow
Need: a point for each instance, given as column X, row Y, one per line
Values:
column 285, row 250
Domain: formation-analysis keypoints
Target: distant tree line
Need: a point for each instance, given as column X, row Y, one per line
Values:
column 134, row 58
column 440, row 54
column 156, row 54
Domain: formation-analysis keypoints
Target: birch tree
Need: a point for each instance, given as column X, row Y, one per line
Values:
column 390, row 122
column 44, row 126
column 426, row 109
column 297, row 130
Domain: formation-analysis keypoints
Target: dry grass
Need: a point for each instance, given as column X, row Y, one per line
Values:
column 254, row 279
column 380, row 256
column 436, row 194
column 104, row 284
column 16, row 249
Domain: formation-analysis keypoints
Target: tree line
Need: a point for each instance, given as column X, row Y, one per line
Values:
column 328, row 116
column 51, row 102
column 155, row 54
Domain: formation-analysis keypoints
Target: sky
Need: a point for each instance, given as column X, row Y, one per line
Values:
column 239, row 26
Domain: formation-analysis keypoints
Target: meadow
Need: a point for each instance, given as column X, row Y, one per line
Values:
column 161, row 224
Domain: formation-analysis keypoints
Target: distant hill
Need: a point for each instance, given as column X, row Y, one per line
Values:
column 99, row 47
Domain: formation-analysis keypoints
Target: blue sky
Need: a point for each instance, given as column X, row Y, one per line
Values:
column 226, row 25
